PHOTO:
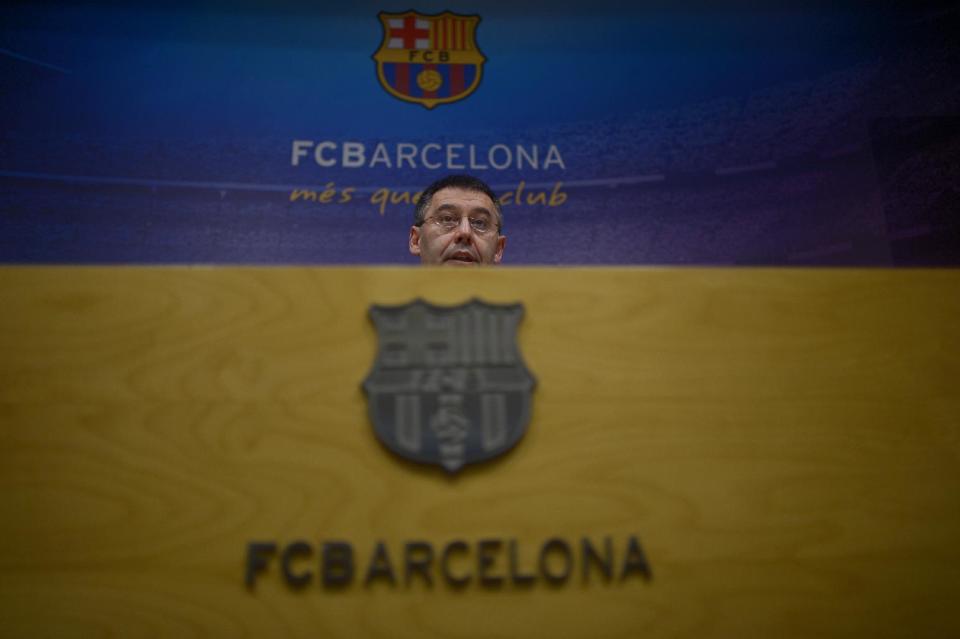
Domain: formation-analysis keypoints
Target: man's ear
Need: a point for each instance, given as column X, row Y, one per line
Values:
column 414, row 240
column 501, row 243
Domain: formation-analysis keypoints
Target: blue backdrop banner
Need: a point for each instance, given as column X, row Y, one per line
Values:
column 297, row 133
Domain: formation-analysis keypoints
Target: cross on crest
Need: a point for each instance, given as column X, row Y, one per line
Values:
column 448, row 386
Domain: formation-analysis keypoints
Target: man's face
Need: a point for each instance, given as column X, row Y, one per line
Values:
column 461, row 245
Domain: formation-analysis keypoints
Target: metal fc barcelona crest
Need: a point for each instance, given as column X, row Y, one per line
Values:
column 429, row 59
column 448, row 386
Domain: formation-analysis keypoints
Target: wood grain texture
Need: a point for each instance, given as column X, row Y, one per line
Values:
column 786, row 443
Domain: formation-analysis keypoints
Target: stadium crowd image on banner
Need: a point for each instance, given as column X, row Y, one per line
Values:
column 479, row 320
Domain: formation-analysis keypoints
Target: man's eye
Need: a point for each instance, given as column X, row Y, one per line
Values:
column 447, row 220
column 479, row 223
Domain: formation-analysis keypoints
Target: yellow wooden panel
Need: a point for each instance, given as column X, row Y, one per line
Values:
column 785, row 443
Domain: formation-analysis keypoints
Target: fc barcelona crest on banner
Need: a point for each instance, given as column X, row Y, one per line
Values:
column 429, row 59
column 448, row 386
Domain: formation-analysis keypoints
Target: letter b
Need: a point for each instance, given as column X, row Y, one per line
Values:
column 337, row 563
column 354, row 154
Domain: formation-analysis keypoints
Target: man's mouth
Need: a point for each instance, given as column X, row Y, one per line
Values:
column 461, row 257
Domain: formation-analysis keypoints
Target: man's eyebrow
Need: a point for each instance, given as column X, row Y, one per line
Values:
column 453, row 207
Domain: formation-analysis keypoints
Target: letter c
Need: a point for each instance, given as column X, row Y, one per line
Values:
column 423, row 156
column 318, row 153
column 297, row 548
column 449, row 549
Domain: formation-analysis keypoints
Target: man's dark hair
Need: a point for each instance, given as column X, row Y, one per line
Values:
column 466, row 182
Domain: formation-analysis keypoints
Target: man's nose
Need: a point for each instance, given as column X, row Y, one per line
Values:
column 464, row 230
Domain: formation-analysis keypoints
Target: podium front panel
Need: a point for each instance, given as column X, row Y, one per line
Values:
column 709, row 453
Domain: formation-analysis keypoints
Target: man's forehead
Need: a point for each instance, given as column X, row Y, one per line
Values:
column 453, row 197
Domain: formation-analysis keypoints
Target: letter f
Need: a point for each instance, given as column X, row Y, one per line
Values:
column 257, row 554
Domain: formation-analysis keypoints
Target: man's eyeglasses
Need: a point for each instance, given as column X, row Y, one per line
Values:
column 447, row 222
